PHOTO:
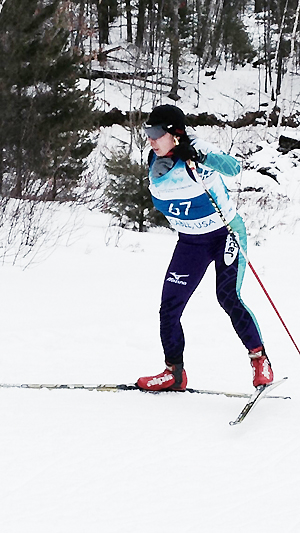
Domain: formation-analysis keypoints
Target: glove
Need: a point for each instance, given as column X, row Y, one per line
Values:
column 186, row 151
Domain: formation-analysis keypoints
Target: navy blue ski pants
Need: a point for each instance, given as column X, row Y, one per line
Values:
column 192, row 256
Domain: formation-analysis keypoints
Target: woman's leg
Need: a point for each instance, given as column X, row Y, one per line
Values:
column 230, row 269
column 229, row 280
column 186, row 269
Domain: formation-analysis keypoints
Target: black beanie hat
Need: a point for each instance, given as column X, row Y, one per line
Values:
column 169, row 119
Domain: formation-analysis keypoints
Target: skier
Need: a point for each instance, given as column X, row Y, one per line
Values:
column 181, row 168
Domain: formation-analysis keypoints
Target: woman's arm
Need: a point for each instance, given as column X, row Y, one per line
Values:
column 215, row 159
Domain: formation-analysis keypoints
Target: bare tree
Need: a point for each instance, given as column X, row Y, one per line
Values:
column 275, row 62
column 140, row 30
column 128, row 21
column 174, row 40
column 286, row 79
column 210, row 12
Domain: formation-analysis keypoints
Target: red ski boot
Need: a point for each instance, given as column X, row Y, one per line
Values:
column 172, row 378
column 262, row 371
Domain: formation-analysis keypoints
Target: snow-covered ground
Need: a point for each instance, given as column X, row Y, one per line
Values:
column 74, row 461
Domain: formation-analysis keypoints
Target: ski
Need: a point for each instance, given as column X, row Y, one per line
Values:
column 260, row 392
column 124, row 387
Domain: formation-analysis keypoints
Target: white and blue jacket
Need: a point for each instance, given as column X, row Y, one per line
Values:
column 180, row 194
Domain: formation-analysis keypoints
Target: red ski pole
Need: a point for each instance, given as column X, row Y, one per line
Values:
column 230, row 230
column 272, row 303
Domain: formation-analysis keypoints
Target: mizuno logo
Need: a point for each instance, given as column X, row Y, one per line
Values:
column 176, row 278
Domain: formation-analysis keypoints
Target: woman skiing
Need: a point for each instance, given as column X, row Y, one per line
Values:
column 181, row 172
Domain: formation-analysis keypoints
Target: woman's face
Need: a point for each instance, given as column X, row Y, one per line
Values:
column 163, row 145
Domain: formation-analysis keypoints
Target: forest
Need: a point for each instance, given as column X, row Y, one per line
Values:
column 58, row 56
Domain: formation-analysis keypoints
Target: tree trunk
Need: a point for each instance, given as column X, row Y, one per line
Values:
column 279, row 53
column 103, row 22
column 140, row 30
column 18, row 189
column 128, row 21
column 213, row 11
column 78, row 39
column 1, row 169
column 267, row 38
column 199, row 9
column 174, row 40
column 259, row 6
column 286, row 79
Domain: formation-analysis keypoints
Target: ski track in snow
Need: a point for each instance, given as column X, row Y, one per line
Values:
column 79, row 461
